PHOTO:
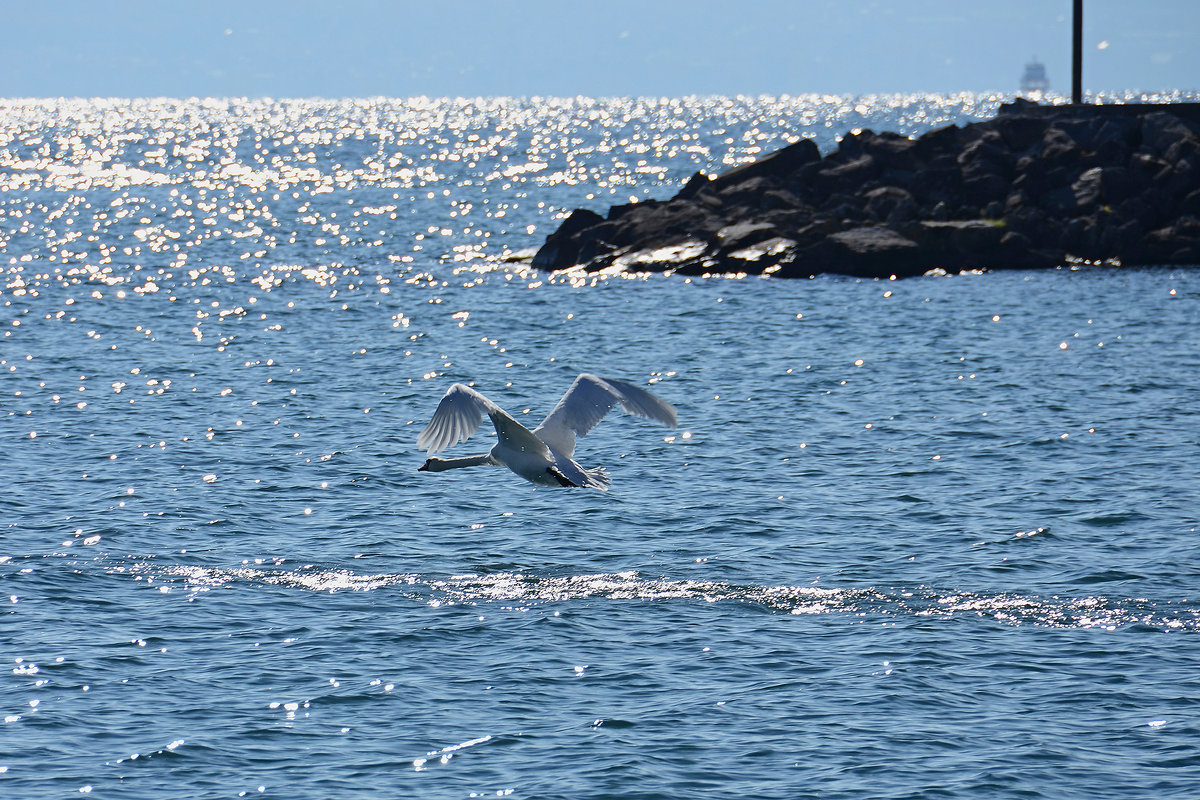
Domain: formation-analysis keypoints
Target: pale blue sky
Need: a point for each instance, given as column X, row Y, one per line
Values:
column 299, row 48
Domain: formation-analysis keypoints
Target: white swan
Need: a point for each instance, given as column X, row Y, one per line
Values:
column 542, row 455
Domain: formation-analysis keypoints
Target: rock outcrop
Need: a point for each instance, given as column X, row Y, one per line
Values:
column 1037, row 186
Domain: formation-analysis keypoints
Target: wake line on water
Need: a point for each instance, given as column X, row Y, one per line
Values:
column 520, row 588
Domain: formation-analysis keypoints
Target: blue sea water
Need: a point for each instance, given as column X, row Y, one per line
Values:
column 932, row 538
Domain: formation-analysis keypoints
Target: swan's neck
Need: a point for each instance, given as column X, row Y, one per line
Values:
column 443, row 464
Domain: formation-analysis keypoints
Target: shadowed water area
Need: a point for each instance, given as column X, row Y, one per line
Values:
column 922, row 538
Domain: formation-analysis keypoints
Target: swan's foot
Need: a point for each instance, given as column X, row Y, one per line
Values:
column 563, row 480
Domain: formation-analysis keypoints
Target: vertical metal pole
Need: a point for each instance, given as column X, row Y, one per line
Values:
column 1077, row 53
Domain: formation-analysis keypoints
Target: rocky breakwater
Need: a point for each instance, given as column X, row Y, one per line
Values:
column 1037, row 186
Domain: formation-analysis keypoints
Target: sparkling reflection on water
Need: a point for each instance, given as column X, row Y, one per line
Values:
column 930, row 537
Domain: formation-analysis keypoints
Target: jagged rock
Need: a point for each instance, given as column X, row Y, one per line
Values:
column 1088, row 188
column 869, row 241
column 1020, row 133
column 1191, row 204
column 885, row 201
column 986, row 156
column 938, row 181
column 1187, row 149
column 694, row 185
column 1188, row 226
column 960, row 238
column 763, row 256
column 1058, row 148
column 1175, row 182
column 862, row 252
column 1026, row 189
column 789, row 220
column 744, row 234
column 1161, row 130
column 781, row 199
column 562, row 248
column 1134, row 208
column 1126, row 237
column 980, row 190
column 761, row 193
column 1146, row 165
column 781, row 162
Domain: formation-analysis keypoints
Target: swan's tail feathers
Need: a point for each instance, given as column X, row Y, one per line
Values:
column 597, row 479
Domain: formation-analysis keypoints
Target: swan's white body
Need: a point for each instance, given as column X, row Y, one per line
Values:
column 543, row 455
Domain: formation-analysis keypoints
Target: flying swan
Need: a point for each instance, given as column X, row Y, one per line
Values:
column 542, row 455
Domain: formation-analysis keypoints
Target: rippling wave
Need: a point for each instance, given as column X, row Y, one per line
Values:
column 1008, row 608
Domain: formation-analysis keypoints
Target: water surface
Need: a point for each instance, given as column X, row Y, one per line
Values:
column 926, row 538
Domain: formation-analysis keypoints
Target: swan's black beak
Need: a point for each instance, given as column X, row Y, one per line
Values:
column 424, row 467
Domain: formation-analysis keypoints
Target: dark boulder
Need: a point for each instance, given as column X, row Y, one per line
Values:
column 847, row 176
column 694, row 186
column 763, row 256
column 561, row 249
column 1020, row 133
column 959, row 238
column 1191, row 204
column 781, row 162
column 761, row 193
column 938, row 180
column 987, row 155
column 938, row 142
column 1088, row 188
column 980, row 190
column 1058, row 148
column 886, row 201
column 893, row 152
column 1160, row 130
column 862, row 252
column 744, row 234
column 1184, row 150
column 1060, row 202
column 1175, row 182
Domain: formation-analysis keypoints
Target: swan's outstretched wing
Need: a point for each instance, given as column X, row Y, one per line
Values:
column 457, row 417
column 515, row 436
column 586, row 403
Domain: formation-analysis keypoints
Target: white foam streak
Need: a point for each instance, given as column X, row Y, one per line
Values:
column 530, row 590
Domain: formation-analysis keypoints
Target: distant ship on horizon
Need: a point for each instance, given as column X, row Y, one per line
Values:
column 1034, row 79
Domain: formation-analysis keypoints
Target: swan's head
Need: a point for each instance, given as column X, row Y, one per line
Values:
column 433, row 464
